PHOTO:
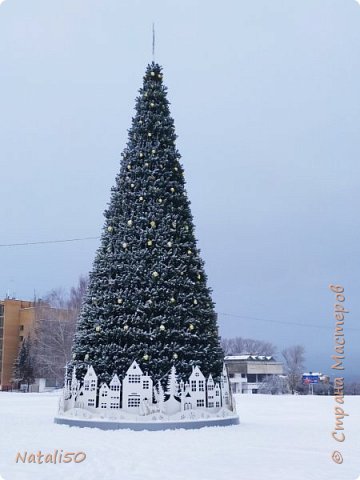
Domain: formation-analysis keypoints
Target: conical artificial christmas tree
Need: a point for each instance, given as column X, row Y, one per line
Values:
column 148, row 298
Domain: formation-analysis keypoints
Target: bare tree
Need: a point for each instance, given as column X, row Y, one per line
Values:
column 294, row 365
column 56, row 317
column 274, row 384
column 239, row 345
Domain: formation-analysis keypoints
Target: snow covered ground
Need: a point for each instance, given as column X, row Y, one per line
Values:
column 280, row 437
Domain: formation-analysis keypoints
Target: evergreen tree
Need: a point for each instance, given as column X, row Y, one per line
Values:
column 23, row 366
column 147, row 298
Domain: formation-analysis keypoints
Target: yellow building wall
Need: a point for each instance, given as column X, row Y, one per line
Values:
column 19, row 321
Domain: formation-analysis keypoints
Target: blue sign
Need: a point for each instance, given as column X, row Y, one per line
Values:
column 307, row 379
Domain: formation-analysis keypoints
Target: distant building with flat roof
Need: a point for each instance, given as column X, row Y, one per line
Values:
column 17, row 320
column 247, row 372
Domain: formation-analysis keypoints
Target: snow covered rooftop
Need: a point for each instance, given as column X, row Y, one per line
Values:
column 262, row 358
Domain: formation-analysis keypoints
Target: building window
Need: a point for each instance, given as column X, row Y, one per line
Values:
column 200, row 403
column 104, row 393
column 197, row 374
column 114, row 405
column 21, row 328
column 211, row 404
column 217, row 404
column 103, row 405
column 210, row 387
column 133, row 402
column 146, row 384
column 115, row 388
column 134, row 378
column 86, row 385
column 201, row 385
column 93, row 385
column 211, row 397
column 91, row 402
column 217, row 393
column 193, row 385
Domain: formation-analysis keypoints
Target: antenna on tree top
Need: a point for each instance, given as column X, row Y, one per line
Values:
column 153, row 41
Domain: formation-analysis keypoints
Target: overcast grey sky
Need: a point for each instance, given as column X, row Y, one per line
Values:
column 265, row 97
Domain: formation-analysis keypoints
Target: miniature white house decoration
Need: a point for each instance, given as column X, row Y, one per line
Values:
column 136, row 403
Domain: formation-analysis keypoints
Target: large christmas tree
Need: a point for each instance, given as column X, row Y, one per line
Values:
column 148, row 298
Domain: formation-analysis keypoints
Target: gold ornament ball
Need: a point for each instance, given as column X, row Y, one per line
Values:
column 175, row 356
column 189, row 252
column 172, row 300
column 132, row 185
column 160, row 200
column 199, row 277
column 155, row 274
column 141, row 154
column 124, row 245
column 126, row 327
column 149, row 242
column 153, row 224
column 146, row 164
column 120, row 301
column 146, row 357
column 152, row 74
column 195, row 302
column 176, row 169
column 87, row 356
column 145, row 94
column 149, row 134
column 153, row 152
column 129, row 223
column 159, row 75
column 110, row 229
column 169, row 244
column 74, row 355
column 152, row 104
column 129, row 167
column 191, row 326
column 98, row 328
column 93, row 299
column 141, row 199
column 172, row 189
column 162, row 327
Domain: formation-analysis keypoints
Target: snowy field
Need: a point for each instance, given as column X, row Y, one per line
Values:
column 280, row 437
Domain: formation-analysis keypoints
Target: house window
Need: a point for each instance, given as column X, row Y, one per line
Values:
column 211, row 397
column 115, row 388
column 104, row 393
column 21, row 328
column 187, row 406
column 211, row 404
column 134, row 378
column 217, row 404
column 200, row 403
column 114, row 398
column 103, row 405
column 197, row 374
column 114, row 405
column 91, row 402
column 210, row 387
column 193, row 385
column 133, row 402
column 217, row 393
column 146, row 384
column 93, row 385
column 86, row 385
column 201, row 385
